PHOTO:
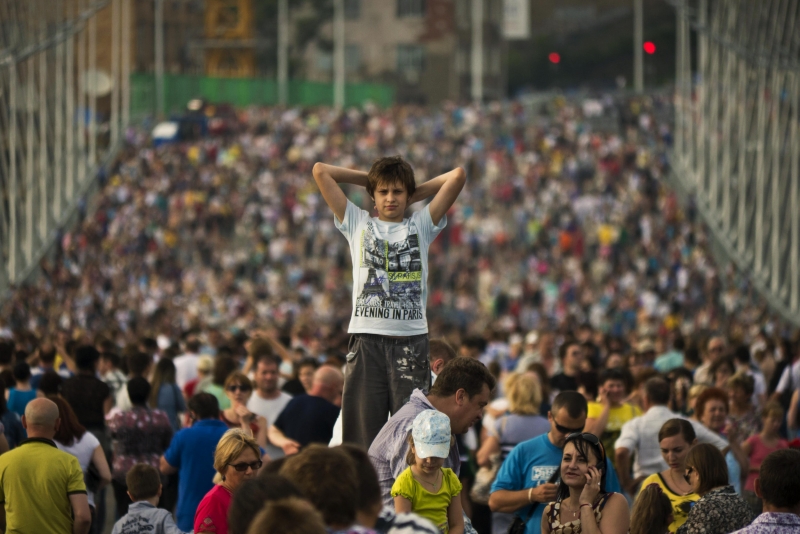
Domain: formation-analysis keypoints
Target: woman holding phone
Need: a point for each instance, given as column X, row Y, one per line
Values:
column 582, row 505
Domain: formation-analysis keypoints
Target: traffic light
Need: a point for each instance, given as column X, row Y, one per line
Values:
column 649, row 47
column 554, row 57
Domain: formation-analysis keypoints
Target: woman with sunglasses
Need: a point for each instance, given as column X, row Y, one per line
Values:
column 720, row 509
column 582, row 505
column 238, row 389
column 675, row 439
column 237, row 458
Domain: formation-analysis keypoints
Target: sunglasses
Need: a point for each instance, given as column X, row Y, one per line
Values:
column 689, row 471
column 568, row 431
column 239, row 388
column 242, row 467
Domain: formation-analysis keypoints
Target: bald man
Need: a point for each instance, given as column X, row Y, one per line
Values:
column 310, row 418
column 41, row 487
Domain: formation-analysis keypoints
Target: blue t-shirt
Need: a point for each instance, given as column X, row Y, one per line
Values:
column 531, row 464
column 192, row 453
column 18, row 400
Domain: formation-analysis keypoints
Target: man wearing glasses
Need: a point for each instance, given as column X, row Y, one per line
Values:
column 527, row 477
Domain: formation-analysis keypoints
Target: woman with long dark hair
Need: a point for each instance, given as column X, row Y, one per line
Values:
column 72, row 437
column 165, row 394
column 582, row 505
column 720, row 509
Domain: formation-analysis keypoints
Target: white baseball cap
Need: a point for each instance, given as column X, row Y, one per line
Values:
column 431, row 433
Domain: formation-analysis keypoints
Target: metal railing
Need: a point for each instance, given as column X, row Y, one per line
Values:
column 737, row 143
column 64, row 100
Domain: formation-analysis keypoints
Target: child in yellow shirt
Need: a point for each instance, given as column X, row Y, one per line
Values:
column 426, row 488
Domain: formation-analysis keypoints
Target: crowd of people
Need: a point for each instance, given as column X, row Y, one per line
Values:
column 577, row 347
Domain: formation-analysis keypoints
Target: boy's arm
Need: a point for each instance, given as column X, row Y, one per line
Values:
column 451, row 185
column 328, row 179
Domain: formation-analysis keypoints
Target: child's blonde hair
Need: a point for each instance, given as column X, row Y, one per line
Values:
column 411, row 458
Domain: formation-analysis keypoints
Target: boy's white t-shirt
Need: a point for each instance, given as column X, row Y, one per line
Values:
column 390, row 271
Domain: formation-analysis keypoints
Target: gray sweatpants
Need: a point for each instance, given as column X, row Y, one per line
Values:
column 380, row 376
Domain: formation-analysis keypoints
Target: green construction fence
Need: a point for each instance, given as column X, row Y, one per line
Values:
column 241, row 92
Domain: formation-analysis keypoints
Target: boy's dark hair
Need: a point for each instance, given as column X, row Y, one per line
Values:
column 22, row 371
column 86, row 357
column 204, row 406
column 391, row 170
column 138, row 390
column 574, row 402
column 369, row 489
column 779, row 483
column 50, row 383
column 327, row 478
column 441, row 350
column 138, row 362
column 252, row 496
column 710, row 466
column 143, row 482
column 462, row 373
column 657, row 390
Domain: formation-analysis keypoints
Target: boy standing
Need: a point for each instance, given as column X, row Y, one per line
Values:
column 144, row 489
column 388, row 355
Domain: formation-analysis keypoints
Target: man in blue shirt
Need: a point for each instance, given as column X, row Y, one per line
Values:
column 524, row 478
column 191, row 454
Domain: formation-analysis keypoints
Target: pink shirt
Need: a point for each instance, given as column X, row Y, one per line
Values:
column 758, row 452
column 212, row 513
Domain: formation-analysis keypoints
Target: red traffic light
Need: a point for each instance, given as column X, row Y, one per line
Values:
column 554, row 57
column 649, row 47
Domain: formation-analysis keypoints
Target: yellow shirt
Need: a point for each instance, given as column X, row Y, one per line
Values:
column 36, row 480
column 681, row 504
column 617, row 417
column 429, row 505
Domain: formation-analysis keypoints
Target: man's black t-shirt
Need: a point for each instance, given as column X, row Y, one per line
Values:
column 86, row 394
column 562, row 382
column 308, row 419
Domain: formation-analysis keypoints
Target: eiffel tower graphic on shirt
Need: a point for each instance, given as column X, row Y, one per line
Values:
column 373, row 289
